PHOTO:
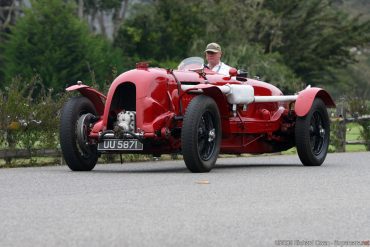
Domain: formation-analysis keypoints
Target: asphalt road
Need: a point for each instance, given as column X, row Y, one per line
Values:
column 255, row 201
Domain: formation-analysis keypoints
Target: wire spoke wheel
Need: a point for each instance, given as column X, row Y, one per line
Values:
column 201, row 134
column 317, row 133
column 79, row 154
column 206, row 136
column 312, row 134
column 83, row 128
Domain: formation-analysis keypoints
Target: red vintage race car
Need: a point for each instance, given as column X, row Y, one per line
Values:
column 193, row 111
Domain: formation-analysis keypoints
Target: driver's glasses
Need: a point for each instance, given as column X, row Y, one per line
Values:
column 211, row 53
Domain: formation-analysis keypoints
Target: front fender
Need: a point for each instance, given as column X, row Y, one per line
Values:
column 215, row 93
column 306, row 97
column 96, row 97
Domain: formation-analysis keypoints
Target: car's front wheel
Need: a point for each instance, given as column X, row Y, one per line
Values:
column 201, row 134
column 76, row 117
column 312, row 134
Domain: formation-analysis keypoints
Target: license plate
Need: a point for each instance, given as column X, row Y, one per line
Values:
column 119, row 145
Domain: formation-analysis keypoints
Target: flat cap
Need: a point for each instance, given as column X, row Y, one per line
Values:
column 213, row 47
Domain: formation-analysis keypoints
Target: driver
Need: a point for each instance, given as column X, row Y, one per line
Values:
column 213, row 55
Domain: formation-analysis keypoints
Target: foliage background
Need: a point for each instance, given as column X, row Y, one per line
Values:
column 289, row 43
column 46, row 45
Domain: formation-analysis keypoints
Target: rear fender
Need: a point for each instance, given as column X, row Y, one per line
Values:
column 306, row 97
column 96, row 97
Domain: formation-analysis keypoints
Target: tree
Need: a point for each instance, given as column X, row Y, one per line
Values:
column 50, row 41
column 101, row 13
column 161, row 30
column 268, row 67
column 315, row 37
column 9, row 12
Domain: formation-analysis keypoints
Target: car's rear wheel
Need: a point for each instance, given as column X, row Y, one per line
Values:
column 312, row 134
column 201, row 134
column 79, row 154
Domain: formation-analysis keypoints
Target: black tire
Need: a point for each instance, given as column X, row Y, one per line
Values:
column 312, row 134
column 201, row 134
column 77, row 158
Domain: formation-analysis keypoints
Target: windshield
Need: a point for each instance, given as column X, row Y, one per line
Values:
column 191, row 63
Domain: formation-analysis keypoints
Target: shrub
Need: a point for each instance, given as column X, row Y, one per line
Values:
column 28, row 120
column 365, row 132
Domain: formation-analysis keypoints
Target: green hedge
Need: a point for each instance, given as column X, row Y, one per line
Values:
column 29, row 115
